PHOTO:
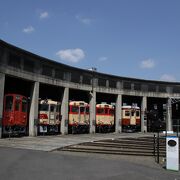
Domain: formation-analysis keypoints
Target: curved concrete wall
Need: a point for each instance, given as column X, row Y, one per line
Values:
column 22, row 64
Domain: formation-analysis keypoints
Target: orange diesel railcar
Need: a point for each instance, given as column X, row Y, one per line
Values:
column 78, row 117
column 15, row 116
column 131, row 118
column 49, row 116
column 104, row 117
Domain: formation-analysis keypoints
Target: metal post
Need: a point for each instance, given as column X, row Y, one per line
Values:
column 177, row 127
column 158, row 147
column 154, row 145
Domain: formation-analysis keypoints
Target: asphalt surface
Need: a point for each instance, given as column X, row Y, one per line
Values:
column 24, row 164
column 32, row 158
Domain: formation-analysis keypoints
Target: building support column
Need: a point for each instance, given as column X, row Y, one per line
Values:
column 33, row 114
column 118, row 114
column 64, row 111
column 2, row 85
column 93, row 113
column 143, row 114
column 169, row 115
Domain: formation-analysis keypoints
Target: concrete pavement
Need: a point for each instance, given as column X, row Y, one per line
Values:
column 50, row 143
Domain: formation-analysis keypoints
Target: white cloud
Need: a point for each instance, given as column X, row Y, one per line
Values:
column 167, row 77
column 84, row 20
column 147, row 64
column 102, row 59
column 71, row 55
column 28, row 29
column 44, row 15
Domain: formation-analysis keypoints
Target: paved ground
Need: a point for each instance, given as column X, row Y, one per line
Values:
column 19, row 159
column 50, row 143
column 20, row 164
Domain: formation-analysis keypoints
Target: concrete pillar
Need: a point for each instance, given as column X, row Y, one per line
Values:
column 93, row 112
column 64, row 111
column 169, row 115
column 2, row 84
column 118, row 114
column 143, row 115
column 33, row 114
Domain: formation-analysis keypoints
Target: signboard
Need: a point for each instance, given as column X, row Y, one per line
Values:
column 172, row 153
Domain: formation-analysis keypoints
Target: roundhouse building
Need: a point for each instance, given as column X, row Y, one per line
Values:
column 35, row 77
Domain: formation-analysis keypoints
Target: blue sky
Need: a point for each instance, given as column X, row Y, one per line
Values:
column 132, row 38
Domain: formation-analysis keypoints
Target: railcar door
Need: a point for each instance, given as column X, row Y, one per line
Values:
column 73, row 115
column 81, row 114
column 87, row 115
column 58, row 114
column 133, row 117
column 138, row 117
column 24, row 110
column 52, row 114
column 106, row 117
column 111, row 113
column 18, row 117
column 8, row 114
column 126, row 117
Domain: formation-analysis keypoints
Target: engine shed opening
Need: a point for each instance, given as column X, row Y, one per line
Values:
column 131, row 100
column 78, row 95
column 131, row 113
column 17, row 102
column 104, row 97
column 156, row 114
column 176, row 116
column 49, row 109
column 50, row 92
column 17, row 86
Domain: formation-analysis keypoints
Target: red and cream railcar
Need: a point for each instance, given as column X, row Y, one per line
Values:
column 15, row 114
column 78, row 117
column 131, row 120
column 49, row 116
column 104, row 117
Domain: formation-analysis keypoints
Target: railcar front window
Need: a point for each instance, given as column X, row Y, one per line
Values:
column 127, row 113
column 132, row 113
column 137, row 113
column 43, row 107
column 82, row 109
column 100, row 111
column 75, row 109
column 9, row 103
column 52, row 108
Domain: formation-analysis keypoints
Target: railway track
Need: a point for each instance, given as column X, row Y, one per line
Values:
column 143, row 146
